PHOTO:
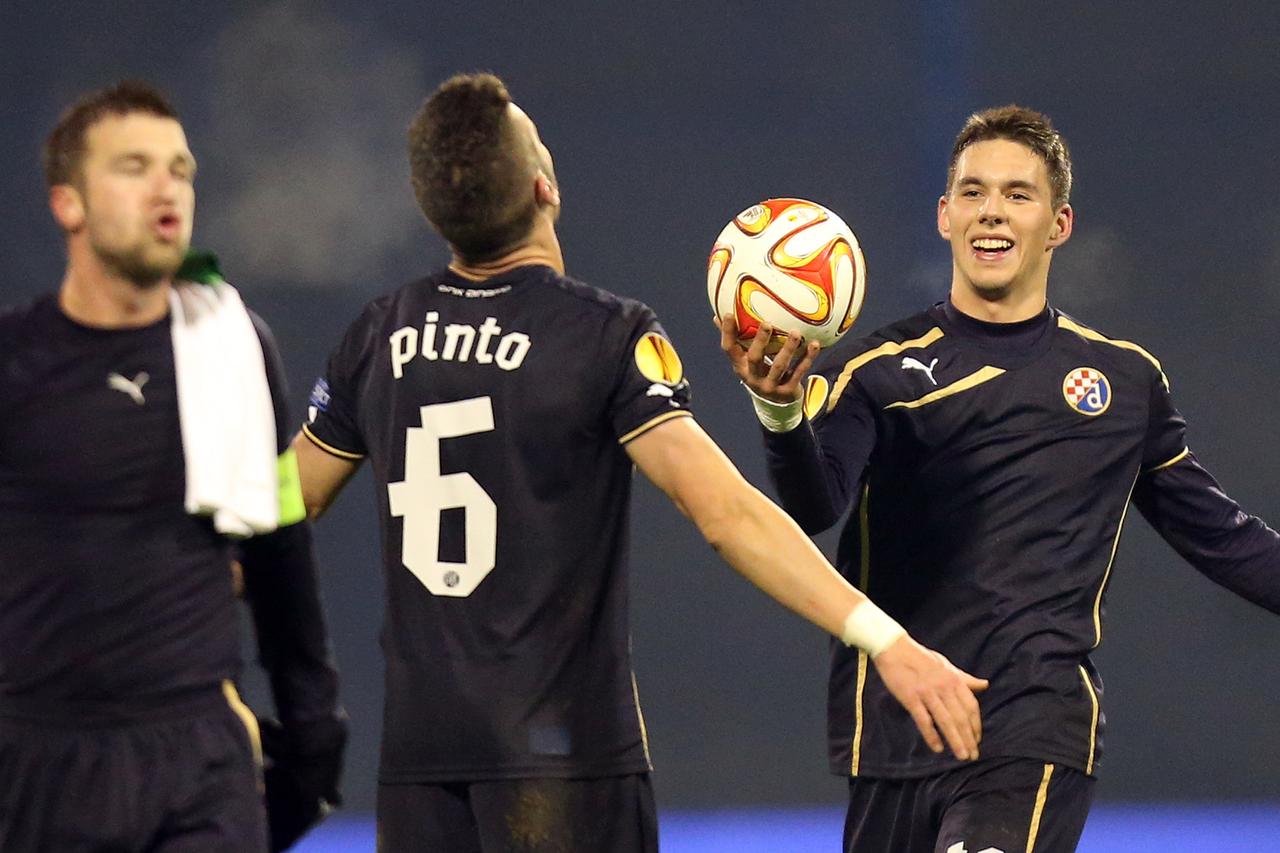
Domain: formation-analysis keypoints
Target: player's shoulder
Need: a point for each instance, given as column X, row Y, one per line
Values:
column 599, row 299
column 917, row 331
column 20, row 315
column 1116, row 349
column 385, row 312
column 387, row 303
column 263, row 328
column 26, row 321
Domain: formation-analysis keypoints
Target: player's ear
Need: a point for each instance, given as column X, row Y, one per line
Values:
column 545, row 190
column 944, row 223
column 67, row 206
column 1062, row 225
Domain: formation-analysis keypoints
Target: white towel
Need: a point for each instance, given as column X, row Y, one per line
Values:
column 224, row 407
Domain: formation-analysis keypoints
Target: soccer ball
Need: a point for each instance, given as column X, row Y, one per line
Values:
column 792, row 264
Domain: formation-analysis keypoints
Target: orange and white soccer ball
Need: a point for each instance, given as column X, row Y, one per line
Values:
column 792, row 264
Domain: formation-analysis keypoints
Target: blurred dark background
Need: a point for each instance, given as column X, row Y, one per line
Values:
column 665, row 120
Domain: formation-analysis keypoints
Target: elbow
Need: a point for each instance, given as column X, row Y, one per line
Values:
column 718, row 532
column 812, row 523
column 316, row 505
column 717, row 523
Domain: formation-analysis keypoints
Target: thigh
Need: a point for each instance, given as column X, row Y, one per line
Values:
column 73, row 790
column 1012, row 805
column 214, row 796
column 31, row 764
column 889, row 815
column 614, row 813
column 413, row 818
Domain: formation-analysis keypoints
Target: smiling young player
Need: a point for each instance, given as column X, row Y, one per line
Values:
column 992, row 446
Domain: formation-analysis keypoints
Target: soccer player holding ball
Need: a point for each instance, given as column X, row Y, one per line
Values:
column 991, row 446
column 502, row 406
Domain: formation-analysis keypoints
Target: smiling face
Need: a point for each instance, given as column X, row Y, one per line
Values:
column 134, row 200
column 998, row 214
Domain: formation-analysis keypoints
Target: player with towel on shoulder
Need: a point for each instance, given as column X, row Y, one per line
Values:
column 144, row 441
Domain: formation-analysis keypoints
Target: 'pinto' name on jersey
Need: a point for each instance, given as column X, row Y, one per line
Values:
column 460, row 342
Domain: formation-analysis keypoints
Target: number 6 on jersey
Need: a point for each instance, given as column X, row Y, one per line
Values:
column 425, row 493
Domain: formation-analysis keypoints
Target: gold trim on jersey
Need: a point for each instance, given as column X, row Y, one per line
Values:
column 1177, row 458
column 1097, row 603
column 1093, row 725
column 650, row 424
column 864, row 533
column 1090, row 334
column 329, row 448
column 889, row 348
column 644, row 732
column 864, row 576
column 1041, row 796
column 246, row 717
column 857, row 712
column 983, row 374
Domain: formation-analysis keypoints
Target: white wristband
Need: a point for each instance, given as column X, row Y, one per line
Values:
column 870, row 629
column 777, row 417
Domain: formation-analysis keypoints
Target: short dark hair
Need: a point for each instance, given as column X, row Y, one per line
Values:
column 472, row 170
column 64, row 148
column 1028, row 127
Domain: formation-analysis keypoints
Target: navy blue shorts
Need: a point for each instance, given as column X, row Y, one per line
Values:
column 180, row 781
column 1001, row 805
column 614, row 814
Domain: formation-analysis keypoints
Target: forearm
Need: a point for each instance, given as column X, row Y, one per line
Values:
column 806, row 487
column 769, row 549
column 283, row 593
column 815, row 468
column 754, row 536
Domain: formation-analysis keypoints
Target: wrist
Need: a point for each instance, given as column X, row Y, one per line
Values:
column 870, row 629
column 774, row 416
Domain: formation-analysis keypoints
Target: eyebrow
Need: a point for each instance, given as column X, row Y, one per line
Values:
column 1016, row 183
column 182, row 157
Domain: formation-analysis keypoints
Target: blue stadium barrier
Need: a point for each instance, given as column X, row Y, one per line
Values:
column 1145, row 828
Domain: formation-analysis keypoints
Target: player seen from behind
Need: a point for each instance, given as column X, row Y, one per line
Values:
column 502, row 406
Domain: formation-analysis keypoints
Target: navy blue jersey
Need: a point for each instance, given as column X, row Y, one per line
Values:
column 495, row 416
column 992, row 467
column 109, row 590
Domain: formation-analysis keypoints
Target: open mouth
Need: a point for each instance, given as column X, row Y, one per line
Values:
column 991, row 248
column 167, row 226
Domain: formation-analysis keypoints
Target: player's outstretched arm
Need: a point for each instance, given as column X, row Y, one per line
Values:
column 322, row 475
column 769, row 549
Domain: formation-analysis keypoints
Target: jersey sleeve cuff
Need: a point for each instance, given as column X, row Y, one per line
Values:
column 653, row 422
column 777, row 417
column 329, row 448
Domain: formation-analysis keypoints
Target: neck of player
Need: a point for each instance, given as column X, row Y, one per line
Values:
column 999, row 305
column 93, row 294
column 540, row 248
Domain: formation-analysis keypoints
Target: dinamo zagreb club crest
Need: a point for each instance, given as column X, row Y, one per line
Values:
column 1087, row 391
